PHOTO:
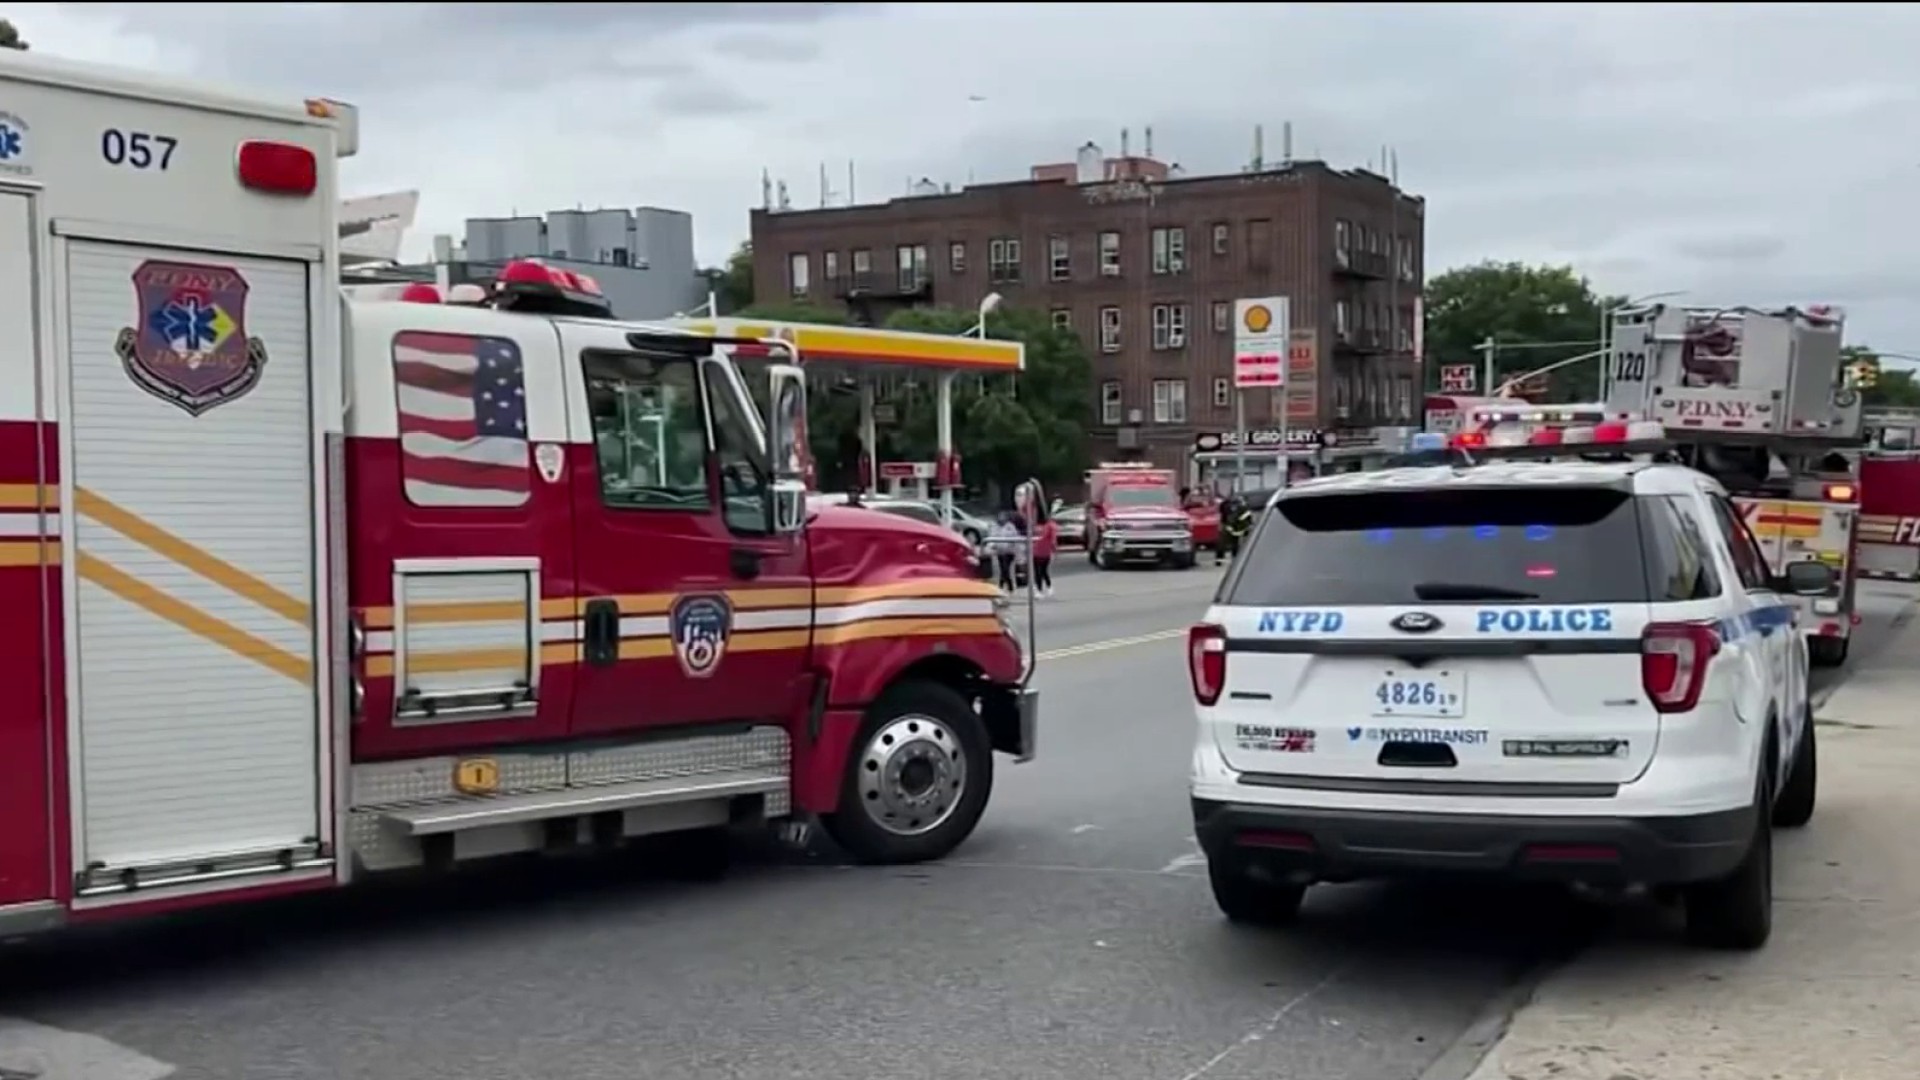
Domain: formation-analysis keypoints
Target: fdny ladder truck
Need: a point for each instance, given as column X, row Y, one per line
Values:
column 1759, row 400
column 297, row 588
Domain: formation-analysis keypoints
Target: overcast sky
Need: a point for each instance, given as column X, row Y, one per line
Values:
column 1748, row 153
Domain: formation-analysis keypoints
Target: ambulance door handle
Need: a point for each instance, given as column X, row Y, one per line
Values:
column 600, row 632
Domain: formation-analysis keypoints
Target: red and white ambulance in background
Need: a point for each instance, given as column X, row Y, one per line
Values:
column 297, row 588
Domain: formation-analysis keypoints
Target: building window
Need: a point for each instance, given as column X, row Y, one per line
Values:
column 1259, row 244
column 1342, row 243
column 1222, row 393
column 1342, row 317
column 1003, row 260
column 1169, row 250
column 1405, row 258
column 912, row 260
column 957, row 257
column 1109, row 329
column 1062, row 318
column 1222, row 316
column 1220, row 234
column 1059, row 258
column 1169, row 326
column 1109, row 254
column 798, row 268
column 1169, row 401
column 1110, row 403
column 862, row 268
column 830, row 268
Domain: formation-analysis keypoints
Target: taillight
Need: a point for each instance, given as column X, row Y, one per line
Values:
column 1207, row 661
column 1673, row 663
column 279, row 168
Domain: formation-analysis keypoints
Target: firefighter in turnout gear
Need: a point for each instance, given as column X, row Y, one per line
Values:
column 1235, row 522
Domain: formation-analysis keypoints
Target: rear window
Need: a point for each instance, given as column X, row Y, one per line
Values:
column 1556, row 545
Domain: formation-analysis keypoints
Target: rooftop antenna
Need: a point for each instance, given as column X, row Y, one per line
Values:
column 825, row 192
column 781, row 189
column 766, row 189
column 1148, row 139
column 1393, row 168
column 1124, row 135
column 1286, row 142
column 849, row 181
column 1259, row 148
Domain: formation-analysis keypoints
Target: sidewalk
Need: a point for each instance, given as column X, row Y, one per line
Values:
column 1834, row 996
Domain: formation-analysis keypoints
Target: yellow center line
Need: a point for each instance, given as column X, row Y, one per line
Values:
column 1111, row 643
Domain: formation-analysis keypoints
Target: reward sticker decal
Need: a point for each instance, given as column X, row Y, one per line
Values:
column 700, row 625
column 1278, row 740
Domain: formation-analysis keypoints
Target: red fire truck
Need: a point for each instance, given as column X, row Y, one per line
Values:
column 1890, row 496
column 296, row 588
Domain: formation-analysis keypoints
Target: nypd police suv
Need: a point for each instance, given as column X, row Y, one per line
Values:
column 1570, row 670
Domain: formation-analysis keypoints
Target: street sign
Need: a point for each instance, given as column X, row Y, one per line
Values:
column 1456, row 378
column 1260, row 336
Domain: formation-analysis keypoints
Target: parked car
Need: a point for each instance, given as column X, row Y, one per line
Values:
column 1205, row 516
column 1072, row 521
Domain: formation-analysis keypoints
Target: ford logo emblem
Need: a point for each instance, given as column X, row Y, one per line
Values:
column 1416, row 622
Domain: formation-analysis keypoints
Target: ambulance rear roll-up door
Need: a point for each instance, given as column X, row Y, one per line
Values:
column 188, row 435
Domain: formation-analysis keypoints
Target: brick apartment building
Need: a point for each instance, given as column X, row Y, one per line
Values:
column 1144, row 264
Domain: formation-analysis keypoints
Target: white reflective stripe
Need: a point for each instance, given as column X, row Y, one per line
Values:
column 773, row 619
column 30, row 523
column 930, row 607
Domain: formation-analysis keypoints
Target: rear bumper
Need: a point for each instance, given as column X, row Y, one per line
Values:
column 1315, row 844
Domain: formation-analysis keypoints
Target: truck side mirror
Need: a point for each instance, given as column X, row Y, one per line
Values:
column 787, row 422
column 1808, row 578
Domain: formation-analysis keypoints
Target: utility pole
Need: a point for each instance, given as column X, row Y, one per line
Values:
column 1486, row 364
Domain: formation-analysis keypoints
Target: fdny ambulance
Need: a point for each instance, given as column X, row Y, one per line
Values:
column 295, row 589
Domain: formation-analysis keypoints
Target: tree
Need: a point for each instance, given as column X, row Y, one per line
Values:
column 1524, row 307
column 735, row 287
column 1881, row 387
column 10, row 36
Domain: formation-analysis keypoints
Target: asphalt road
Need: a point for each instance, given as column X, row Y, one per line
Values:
column 1073, row 937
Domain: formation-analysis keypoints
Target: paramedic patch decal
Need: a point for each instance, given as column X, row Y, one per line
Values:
column 190, row 346
column 700, row 626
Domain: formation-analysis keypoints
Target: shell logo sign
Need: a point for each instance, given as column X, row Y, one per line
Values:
column 1258, row 318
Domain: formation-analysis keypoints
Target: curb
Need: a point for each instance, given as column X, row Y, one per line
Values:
column 1462, row 1059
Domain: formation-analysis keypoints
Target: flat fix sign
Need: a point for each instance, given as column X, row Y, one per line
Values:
column 1456, row 378
column 1261, row 331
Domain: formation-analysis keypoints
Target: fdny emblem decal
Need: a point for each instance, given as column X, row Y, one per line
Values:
column 700, row 625
column 190, row 347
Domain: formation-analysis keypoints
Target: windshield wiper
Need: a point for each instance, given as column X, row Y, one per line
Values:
column 1466, row 590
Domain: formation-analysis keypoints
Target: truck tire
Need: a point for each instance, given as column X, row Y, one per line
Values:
column 1797, row 796
column 1251, row 901
column 918, row 777
column 1736, row 912
column 1827, row 651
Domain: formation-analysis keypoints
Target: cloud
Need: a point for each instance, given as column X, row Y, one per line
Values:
column 1746, row 153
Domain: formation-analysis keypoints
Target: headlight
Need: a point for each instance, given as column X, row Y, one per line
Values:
column 1826, row 606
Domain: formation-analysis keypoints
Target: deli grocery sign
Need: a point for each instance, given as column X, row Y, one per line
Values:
column 1258, row 439
column 1261, row 333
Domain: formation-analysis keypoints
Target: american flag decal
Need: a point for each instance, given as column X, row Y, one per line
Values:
column 463, row 420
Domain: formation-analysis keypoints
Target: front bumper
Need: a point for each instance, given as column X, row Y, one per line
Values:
column 1145, row 545
column 1012, row 716
column 1311, row 844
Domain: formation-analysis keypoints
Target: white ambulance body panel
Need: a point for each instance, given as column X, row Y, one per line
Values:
column 192, row 368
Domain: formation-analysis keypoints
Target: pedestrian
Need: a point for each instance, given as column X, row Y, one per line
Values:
column 1046, row 537
column 1002, row 540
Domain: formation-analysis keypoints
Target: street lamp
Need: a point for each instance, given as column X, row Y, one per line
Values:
column 988, row 305
column 1606, row 333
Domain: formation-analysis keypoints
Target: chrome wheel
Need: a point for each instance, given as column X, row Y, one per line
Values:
column 911, row 775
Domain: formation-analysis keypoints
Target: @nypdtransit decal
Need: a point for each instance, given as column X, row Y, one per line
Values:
column 1453, row 736
column 700, row 625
